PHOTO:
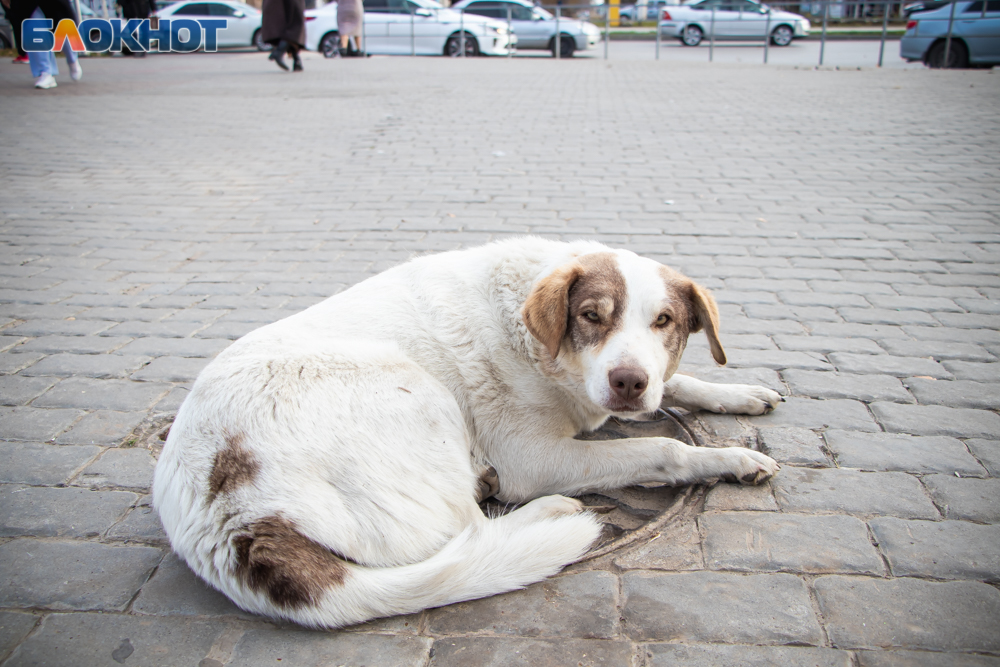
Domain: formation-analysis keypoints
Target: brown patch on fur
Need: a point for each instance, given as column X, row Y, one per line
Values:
column 545, row 311
column 234, row 466
column 698, row 311
column 707, row 318
column 274, row 558
column 600, row 289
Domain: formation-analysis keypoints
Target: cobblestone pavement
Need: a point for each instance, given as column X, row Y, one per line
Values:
column 846, row 221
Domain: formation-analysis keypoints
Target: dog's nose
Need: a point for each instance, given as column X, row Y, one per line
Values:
column 628, row 382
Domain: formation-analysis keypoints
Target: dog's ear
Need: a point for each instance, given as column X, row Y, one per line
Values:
column 706, row 316
column 546, row 312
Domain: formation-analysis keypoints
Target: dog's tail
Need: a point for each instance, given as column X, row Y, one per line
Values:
column 493, row 556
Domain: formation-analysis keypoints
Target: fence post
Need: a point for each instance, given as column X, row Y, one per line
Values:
column 461, row 32
column 510, row 47
column 656, row 11
column 822, row 41
column 767, row 35
column 607, row 28
column 711, row 37
column 885, row 26
column 413, row 42
column 558, row 37
column 947, row 40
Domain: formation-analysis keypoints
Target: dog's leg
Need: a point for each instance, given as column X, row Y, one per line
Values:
column 487, row 485
column 573, row 467
column 742, row 399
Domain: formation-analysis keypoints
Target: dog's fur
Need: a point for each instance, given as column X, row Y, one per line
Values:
column 327, row 468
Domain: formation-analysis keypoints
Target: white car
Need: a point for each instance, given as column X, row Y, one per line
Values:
column 535, row 27
column 404, row 27
column 731, row 20
column 242, row 20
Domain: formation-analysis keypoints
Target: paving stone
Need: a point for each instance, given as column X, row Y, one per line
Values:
column 937, row 420
column 794, row 446
column 955, row 393
column 718, row 607
column 171, row 403
column 676, row 548
column 58, row 512
column 30, row 423
column 91, row 576
column 967, row 370
column 840, row 385
column 87, row 365
column 688, row 655
column 988, row 453
column 12, row 363
column 818, row 414
column 904, row 453
column 103, row 427
column 71, row 640
column 775, row 542
column 174, row 590
column 175, row 347
column 909, row 613
column 171, row 369
column 142, row 524
column 885, row 316
column 501, row 652
column 43, row 327
column 875, row 332
column 14, row 626
column 952, row 335
column 17, row 390
column 576, row 605
column 87, row 393
column 852, row 492
column 775, row 359
column 268, row 646
column 71, row 344
column 923, row 659
column 825, row 344
column 131, row 468
column 937, row 351
column 734, row 497
column 939, row 549
column 970, row 499
column 37, row 464
column 869, row 364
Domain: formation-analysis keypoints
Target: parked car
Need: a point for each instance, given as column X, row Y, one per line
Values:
column 628, row 13
column 975, row 35
column 535, row 27
column 243, row 21
column 402, row 27
column 733, row 20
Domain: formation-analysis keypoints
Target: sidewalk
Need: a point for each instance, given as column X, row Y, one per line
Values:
column 846, row 221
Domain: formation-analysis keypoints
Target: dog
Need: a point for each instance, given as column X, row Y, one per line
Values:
column 328, row 468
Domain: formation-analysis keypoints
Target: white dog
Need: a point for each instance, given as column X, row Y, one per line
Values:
column 327, row 468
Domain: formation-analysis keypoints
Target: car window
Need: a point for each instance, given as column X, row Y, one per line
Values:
column 377, row 6
column 490, row 9
column 746, row 6
column 194, row 9
column 215, row 9
column 977, row 7
column 517, row 12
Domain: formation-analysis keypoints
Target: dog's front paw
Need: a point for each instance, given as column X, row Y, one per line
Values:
column 745, row 399
column 750, row 467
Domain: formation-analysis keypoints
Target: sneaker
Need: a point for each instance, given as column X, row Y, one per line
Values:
column 21, row 59
column 75, row 71
column 45, row 81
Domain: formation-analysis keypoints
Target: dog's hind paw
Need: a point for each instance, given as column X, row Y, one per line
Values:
column 751, row 467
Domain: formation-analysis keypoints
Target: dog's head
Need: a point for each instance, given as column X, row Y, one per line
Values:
column 614, row 325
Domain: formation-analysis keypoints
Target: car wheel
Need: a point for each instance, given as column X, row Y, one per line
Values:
column 567, row 45
column 782, row 35
column 259, row 42
column 453, row 47
column 329, row 46
column 692, row 35
column 958, row 56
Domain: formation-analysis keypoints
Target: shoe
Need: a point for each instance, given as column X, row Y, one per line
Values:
column 75, row 71
column 296, row 63
column 278, row 54
column 45, row 81
column 21, row 59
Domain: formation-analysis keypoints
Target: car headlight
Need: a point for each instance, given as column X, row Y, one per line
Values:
column 498, row 29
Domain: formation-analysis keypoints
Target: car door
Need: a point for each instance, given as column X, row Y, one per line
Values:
column 239, row 25
column 414, row 28
column 751, row 21
column 534, row 27
column 723, row 24
column 981, row 30
column 376, row 26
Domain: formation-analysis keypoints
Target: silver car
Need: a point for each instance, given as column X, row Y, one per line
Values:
column 535, row 27
column 732, row 20
column 975, row 35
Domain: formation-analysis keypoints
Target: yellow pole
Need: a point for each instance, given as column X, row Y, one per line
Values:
column 613, row 12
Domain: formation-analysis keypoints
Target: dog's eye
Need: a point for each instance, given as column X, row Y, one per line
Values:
column 592, row 316
column 662, row 320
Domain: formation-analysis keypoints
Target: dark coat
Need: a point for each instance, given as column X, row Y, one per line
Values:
column 56, row 10
column 284, row 20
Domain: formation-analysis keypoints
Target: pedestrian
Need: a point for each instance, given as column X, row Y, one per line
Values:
column 44, row 67
column 284, row 28
column 136, row 9
column 350, row 17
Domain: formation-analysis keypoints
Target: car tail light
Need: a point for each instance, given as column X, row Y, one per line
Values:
column 310, row 18
column 666, row 15
column 912, row 23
